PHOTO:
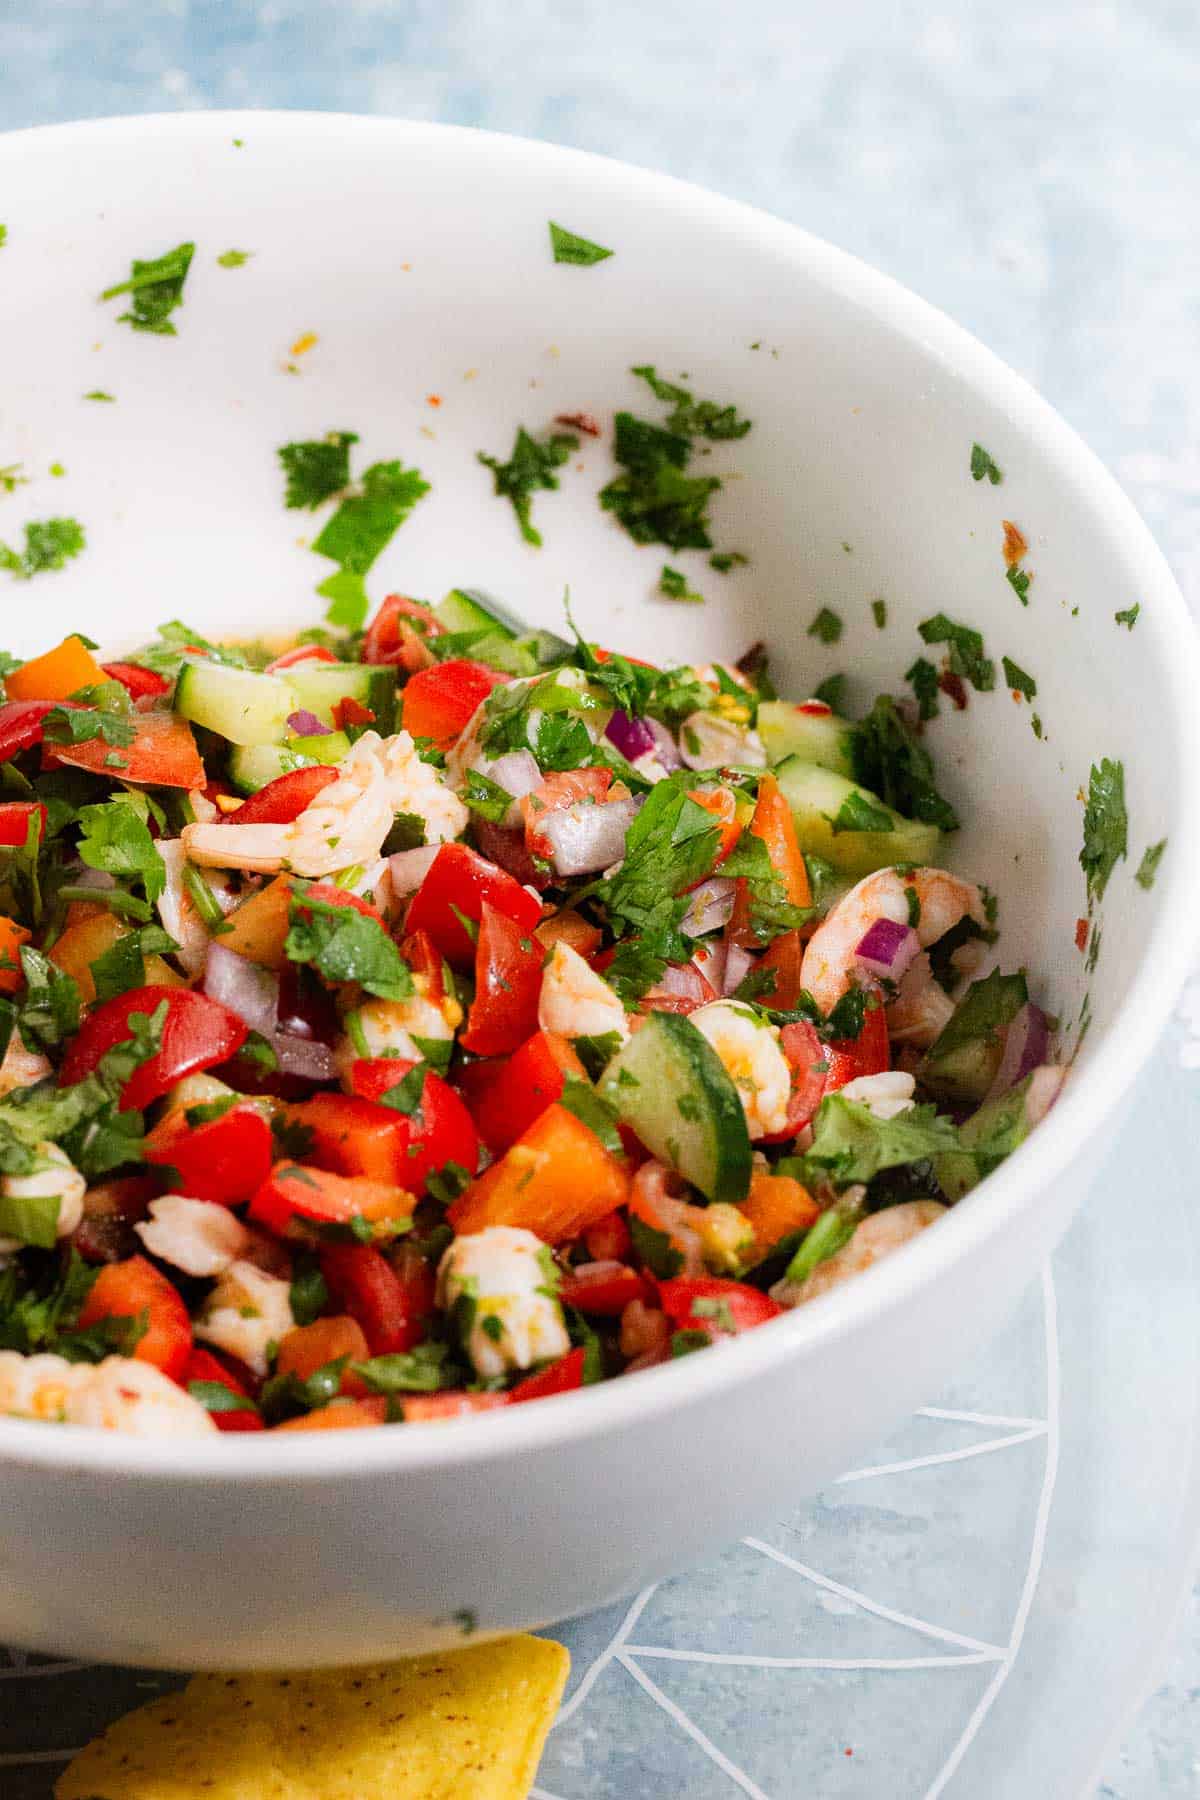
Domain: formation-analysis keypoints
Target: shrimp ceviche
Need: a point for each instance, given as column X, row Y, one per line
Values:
column 407, row 1025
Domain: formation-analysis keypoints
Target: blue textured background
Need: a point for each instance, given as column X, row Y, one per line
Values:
column 1032, row 169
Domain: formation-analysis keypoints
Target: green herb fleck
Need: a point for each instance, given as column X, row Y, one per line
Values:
column 982, row 464
column 234, row 259
column 1018, row 580
column 827, row 626
column 316, row 469
column 858, row 812
column 879, row 613
column 530, row 466
column 156, row 287
column 966, row 650
column 1129, row 616
column 1016, row 678
column 99, row 394
column 49, row 544
column 568, row 248
column 1105, row 826
column 673, row 583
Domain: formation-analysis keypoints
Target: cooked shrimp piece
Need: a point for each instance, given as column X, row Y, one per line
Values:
column 941, row 902
column 877, row 1236
column 21, row 1067
column 575, row 1001
column 118, row 1394
column 348, row 820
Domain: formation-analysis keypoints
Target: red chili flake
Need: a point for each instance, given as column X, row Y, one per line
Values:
column 351, row 712
column 582, row 421
column 952, row 684
column 1081, row 934
column 433, row 399
column 1015, row 545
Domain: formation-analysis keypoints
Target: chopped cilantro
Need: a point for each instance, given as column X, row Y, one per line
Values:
column 984, row 1010
column 568, row 248
column 673, row 583
column 725, row 560
column 670, row 845
column 685, row 1343
column 486, row 797
column 49, row 544
column 592, row 1110
column 654, row 500
column 316, row 468
column 691, row 417
column 827, row 626
column 1148, row 867
column 123, row 965
column 234, row 259
column 879, row 613
column 859, row 813
column 3, row 235
column 99, row 394
column 832, row 693
column 595, row 1053
column 343, row 944
column 365, row 522
column 115, row 838
column 654, row 1249
column 889, row 758
column 771, row 912
column 1105, row 826
column 419, row 1371
column 215, row 1397
column 83, row 725
column 982, row 464
column 966, row 650
column 923, row 679
column 1016, row 678
column 850, row 1144
column 51, row 1006
column 1018, row 580
column 309, row 1295
column 530, row 466
column 405, row 1096
column 347, row 597
column 11, row 478
column 1036, row 723
column 156, row 287
column 1128, row 617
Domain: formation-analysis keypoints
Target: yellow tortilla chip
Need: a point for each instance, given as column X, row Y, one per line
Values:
column 467, row 1725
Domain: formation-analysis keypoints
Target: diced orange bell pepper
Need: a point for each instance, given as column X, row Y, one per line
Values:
column 773, row 824
column 315, row 1196
column 12, row 936
column 87, row 937
column 340, row 1415
column 570, row 928
column 309, row 1347
column 423, row 1409
column 776, row 1206
column 783, row 958
column 556, row 1180
column 721, row 802
column 56, row 675
column 258, row 927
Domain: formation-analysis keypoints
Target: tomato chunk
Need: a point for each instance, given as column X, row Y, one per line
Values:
column 507, row 1096
column 21, row 725
column 284, row 799
column 439, row 701
column 508, row 981
column 562, row 1377
column 224, row 1160
column 440, row 1131
column 391, row 1306
column 391, row 640
column 715, row 1306
column 163, row 754
column 459, row 878
column 197, row 1033
column 602, row 1288
column 867, row 1054
column 300, row 653
column 139, row 684
column 129, row 1289
column 14, row 821
column 201, row 1365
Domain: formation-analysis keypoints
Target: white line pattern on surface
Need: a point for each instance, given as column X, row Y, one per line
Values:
column 874, row 1606
column 693, row 1731
column 943, row 1456
column 974, row 1418
column 1037, row 1551
column 734, row 1659
column 602, row 1661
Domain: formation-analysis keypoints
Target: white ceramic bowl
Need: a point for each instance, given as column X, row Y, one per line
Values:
column 419, row 258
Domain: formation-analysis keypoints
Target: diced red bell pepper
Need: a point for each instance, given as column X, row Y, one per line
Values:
column 439, row 701
column 300, row 653
column 508, row 981
column 14, row 821
column 129, row 1289
column 390, row 640
column 225, row 1160
column 440, row 1131
column 808, row 1059
column 460, row 878
column 783, row 958
column 423, row 1409
column 203, row 1366
column 609, row 1239
column 197, row 1033
column 163, row 753
column 139, row 684
column 349, row 714
column 392, row 1307
column 284, row 799
column 603, row 1288
column 505, row 1097
column 562, row 1377
column 21, row 725
column 297, row 1193
column 713, row 1305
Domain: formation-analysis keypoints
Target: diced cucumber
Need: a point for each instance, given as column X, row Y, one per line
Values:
column 820, row 737
column 318, row 686
column 816, row 797
column 240, row 704
column 669, row 1086
column 506, row 643
column 251, row 766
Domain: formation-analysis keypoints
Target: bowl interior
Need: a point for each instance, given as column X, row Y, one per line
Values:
column 417, row 261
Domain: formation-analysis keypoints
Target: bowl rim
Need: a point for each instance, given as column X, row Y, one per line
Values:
column 1088, row 1101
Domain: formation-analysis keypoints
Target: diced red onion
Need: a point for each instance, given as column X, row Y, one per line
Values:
column 684, row 981
column 1045, row 1085
column 887, row 948
column 710, row 907
column 665, row 747
column 306, row 724
column 710, row 959
column 516, row 772
column 249, row 991
column 632, row 737
column 738, row 964
column 306, row 1057
column 408, row 868
column 587, row 836
column 100, row 879
column 1025, row 1044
